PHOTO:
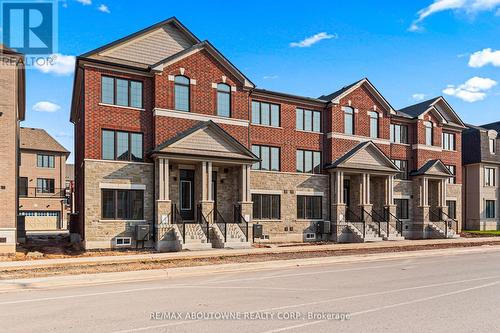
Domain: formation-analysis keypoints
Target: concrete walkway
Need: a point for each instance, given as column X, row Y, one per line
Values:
column 13, row 265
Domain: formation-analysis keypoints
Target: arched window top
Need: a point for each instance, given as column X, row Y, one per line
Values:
column 427, row 124
column 223, row 87
column 181, row 79
column 347, row 109
column 373, row 114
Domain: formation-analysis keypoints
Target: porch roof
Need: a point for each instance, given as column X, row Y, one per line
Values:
column 206, row 140
column 435, row 168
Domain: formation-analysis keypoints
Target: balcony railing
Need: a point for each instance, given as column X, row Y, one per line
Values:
column 36, row 192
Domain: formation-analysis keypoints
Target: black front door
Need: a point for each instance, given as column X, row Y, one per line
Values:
column 186, row 195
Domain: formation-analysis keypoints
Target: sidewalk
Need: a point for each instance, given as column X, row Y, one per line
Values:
column 44, row 263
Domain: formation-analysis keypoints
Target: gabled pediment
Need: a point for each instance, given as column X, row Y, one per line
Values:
column 366, row 156
column 149, row 45
column 206, row 139
column 433, row 168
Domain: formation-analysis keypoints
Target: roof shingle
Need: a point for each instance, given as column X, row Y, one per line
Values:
column 39, row 139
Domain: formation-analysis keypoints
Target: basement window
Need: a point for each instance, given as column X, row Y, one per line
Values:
column 123, row 241
column 310, row 236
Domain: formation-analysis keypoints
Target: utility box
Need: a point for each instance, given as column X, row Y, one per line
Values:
column 323, row 227
column 142, row 232
column 257, row 231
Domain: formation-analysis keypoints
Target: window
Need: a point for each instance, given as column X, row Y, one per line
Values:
column 373, row 124
column 121, row 92
column 348, row 120
column 45, row 161
column 310, row 236
column 23, row 186
column 265, row 114
column 123, row 204
column 270, row 158
column 308, row 161
column 308, row 120
column 181, row 93
column 452, row 208
column 448, row 141
column 399, row 133
column 489, row 176
column 122, row 146
column 45, row 185
column 453, row 170
column 493, row 146
column 266, row 206
column 401, row 208
column 223, row 100
column 490, row 209
column 309, row 207
column 403, row 166
column 123, row 241
column 428, row 133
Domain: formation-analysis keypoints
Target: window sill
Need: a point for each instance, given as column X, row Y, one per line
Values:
column 310, row 220
column 266, row 221
column 312, row 132
column 122, row 107
column 401, row 144
column 267, row 126
column 123, row 221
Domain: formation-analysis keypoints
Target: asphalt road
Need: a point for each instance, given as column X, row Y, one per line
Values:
column 446, row 293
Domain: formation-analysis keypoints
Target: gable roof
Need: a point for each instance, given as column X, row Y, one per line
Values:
column 170, row 21
column 438, row 105
column 432, row 167
column 348, row 160
column 39, row 139
column 218, row 138
column 337, row 95
column 205, row 45
column 492, row 126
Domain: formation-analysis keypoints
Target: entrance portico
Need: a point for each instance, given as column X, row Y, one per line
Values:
column 201, row 175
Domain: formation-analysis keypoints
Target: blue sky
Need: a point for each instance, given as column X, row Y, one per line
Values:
column 410, row 50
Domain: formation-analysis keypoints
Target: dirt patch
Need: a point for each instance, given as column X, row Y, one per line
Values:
column 477, row 235
column 72, row 269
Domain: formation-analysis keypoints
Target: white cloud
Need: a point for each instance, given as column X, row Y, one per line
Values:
column 85, row 2
column 270, row 77
column 103, row 8
column 309, row 41
column 418, row 97
column 473, row 90
column 468, row 6
column 58, row 64
column 485, row 57
column 45, row 106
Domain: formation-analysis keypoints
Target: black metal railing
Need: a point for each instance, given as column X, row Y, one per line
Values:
column 351, row 216
column 374, row 223
column 382, row 221
column 240, row 221
column 398, row 223
column 38, row 192
column 177, row 219
column 438, row 221
column 221, row 223
column 203, row 223
column 452, row 223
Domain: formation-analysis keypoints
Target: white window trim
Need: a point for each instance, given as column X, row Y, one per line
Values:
column 312, row 194
column 309, row 234
column 128, row 239
column 200, row 117
column 257, row 191
column 121, row 106
column 113, row 186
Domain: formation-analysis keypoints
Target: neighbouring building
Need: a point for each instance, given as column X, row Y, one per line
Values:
column 12, row 111
column 481, row 160
column 170, row 135
column 42, row 181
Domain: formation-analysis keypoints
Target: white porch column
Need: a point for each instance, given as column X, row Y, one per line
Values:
column 245, row 195
column 249, row 195
column 204, row 181
column 339, row 187
column 163, row 178
column 367, row 189
column 209, row 181
column 425, row 192
column 443, row 193
column 389, row 190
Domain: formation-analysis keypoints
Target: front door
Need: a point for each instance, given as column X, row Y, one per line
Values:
column 186, row 195
column 214, row 192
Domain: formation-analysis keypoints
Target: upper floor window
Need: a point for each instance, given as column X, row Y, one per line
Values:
column 45, row 185
column 453, row 171
column 45, row 161
column 348, row 120
column 122, row 146
column 270, row 158
column 308, row 120
column 489, row 176
column 428, row 133
column 181, row 93
column 223, row 100
column 265, row 114
column 121, row 92
column 493, row 145
column 448, row 141
column 403, row 166
column 399, row 133
column 308, row 161
column 373, row 124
